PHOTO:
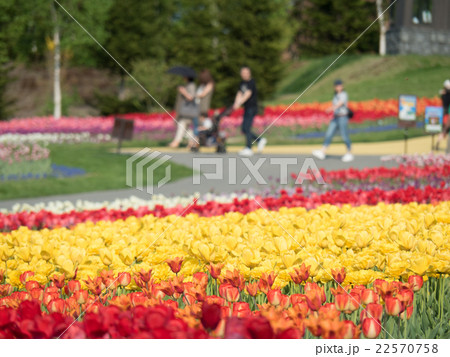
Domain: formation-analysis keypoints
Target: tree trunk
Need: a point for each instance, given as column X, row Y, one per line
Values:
column 56, row 67
column 121, row 94
column 383, row 29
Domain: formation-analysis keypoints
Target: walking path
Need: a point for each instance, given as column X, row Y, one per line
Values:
column 246, row 176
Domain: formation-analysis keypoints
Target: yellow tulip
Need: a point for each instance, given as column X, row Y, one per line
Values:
column 106, row 256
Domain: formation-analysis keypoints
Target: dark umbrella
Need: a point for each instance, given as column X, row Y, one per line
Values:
column 183, row 71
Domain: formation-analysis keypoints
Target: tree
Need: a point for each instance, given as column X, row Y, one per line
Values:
column 196, row 30
column 138, row 29
column 251, row 34
column 329, row 26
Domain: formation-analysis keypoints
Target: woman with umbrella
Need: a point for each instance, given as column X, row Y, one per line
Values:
column 186, row 108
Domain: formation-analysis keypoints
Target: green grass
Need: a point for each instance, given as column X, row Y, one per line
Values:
column 365, row 77
column 104, row 171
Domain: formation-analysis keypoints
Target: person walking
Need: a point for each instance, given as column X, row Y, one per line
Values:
column 445, row 97
column 184, row 93
column 203, row 98
column 248, row 97
column 340, row 121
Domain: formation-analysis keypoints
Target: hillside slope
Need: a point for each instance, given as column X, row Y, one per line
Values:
column 366, row 77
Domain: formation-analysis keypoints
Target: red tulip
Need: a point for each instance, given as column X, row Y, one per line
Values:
column 241, row 309
column 175, row 264
column 25, row 276
column 371, row 328
column 211, row 315
column 393, row 306
column 416, row 282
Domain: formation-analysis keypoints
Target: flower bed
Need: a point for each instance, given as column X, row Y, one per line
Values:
column 339, row 264
column 413, row 182
column 298, row 115
column 219, row 304
column 19, row 159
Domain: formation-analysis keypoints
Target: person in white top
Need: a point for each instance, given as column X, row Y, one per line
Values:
column 340, row 121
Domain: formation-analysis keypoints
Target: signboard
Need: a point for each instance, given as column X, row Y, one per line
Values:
column 434, row 119
column 407, row 107
column 123, row 129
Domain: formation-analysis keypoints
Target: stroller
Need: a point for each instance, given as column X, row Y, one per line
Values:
column 214, row 136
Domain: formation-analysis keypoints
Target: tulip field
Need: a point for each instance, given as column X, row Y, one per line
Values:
column 160, row 126
column 365, row 256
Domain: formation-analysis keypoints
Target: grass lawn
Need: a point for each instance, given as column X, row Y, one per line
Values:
column 104, row 171
column 365, row 77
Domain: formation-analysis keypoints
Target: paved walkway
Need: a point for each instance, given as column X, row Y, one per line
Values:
column 258, row 173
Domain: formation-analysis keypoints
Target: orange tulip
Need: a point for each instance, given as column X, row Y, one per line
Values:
column 313, row 299
column 58, row 280
column 200, row 279
column 81, row 296
column 252, row 289
column 369, row 296
column 371, row 328
column 297, row 298
column 178, row 284
column 347, row 302
column 407, row 313
column 241, row 309
column 416, row 282
column 124, row 279
column 215, row 269
column 234, row 278
column 372, row 310
column 145, row 275
column 349, row 330
column 5, row 290
column 37, row 293
column 338, row 275
column 175, row 264
column 31, row 284
column 49, row 297
column 285, row 301
column 2, row 275
column 300, row 275
column 57, row 305
column 167, row 288
column 72, row 286
column 393, row 306
column 406, row 296
column 274, row 297
column 229, row 292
